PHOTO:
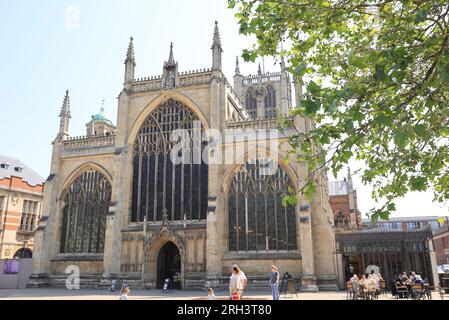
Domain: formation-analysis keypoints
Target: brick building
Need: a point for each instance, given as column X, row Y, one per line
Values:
column 441, row 244
column 397, row 245
column 343, row 201
column 21, row 194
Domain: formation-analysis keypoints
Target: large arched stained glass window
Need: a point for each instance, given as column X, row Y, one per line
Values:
column 159, row 185
column 270, row 103
column 257, row 219
column 84, row 214
column 251, row 103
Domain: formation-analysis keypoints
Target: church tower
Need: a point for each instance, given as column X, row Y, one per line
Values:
column 264, row 94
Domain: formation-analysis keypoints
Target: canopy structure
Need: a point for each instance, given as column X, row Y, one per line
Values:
column 371, row 268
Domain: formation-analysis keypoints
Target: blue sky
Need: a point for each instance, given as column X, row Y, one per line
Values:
column 46, row 51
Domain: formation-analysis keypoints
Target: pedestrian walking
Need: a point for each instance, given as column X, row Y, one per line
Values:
column 274, row 282
column 113, row 286
column 211, row 294
column 125, row 293
column 236, row 284
column 244, row 279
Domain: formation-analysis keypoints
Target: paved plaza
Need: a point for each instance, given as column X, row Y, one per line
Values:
column 62, row 294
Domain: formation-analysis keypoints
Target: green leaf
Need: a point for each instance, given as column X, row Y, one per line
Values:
column 386, row 120
column 444, row 72
column 400, row 139
column 420, row 130
column 311, row 107
column 380, row 75
column 420, row 16
column 310, row 191
column 418, row 184
column 391, row 207
column 356, row 61
column 300, row 70
column 384, row 215
column 324, row 139
column 289, row 200
column 231, row 4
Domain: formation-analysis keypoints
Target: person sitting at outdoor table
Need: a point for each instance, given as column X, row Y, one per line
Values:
column 398, row 279
column 394, row 282
column 354, row 278
column 363, row 280
column 378, row 275
column 357, row 290
column 404, row 278
column 377, row 278
column 417, row 278
column 371, row 287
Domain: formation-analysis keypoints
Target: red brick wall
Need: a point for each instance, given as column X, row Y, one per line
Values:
column 11, row 218
column 340, row 203
column 441, row 243
column 17, row 182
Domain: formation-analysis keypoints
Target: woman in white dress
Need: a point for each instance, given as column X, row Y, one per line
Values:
column 236, row 283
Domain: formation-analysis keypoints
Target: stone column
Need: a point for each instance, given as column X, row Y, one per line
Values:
column 46, row 237
column 284, row 94
column 340, row 270
column 260, row 109
column 308, row 281
column 433, row 264
column 214, row 220
column 111, row 262
column 117, row 209
column 323, row 240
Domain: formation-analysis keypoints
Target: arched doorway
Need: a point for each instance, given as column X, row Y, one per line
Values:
column 23, row 253
column 169, row 265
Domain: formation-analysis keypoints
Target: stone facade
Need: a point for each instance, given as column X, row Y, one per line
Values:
column 132, row 250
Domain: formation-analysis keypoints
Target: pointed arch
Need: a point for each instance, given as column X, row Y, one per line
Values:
column 156, row 102
column 257, row 219
column 251, row 102
column 160, row 186
column 156, row 243
column 78, row 171
column 254, row 153
column 85, row 199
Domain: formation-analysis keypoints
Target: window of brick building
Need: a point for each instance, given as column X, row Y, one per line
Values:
column 29, row 212
column 341, row 221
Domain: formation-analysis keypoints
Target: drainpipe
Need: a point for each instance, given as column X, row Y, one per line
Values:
column 6, row 215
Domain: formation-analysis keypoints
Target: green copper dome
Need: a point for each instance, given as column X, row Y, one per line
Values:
column 100, row 117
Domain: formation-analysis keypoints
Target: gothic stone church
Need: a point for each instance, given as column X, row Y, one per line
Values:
column 117, row 207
